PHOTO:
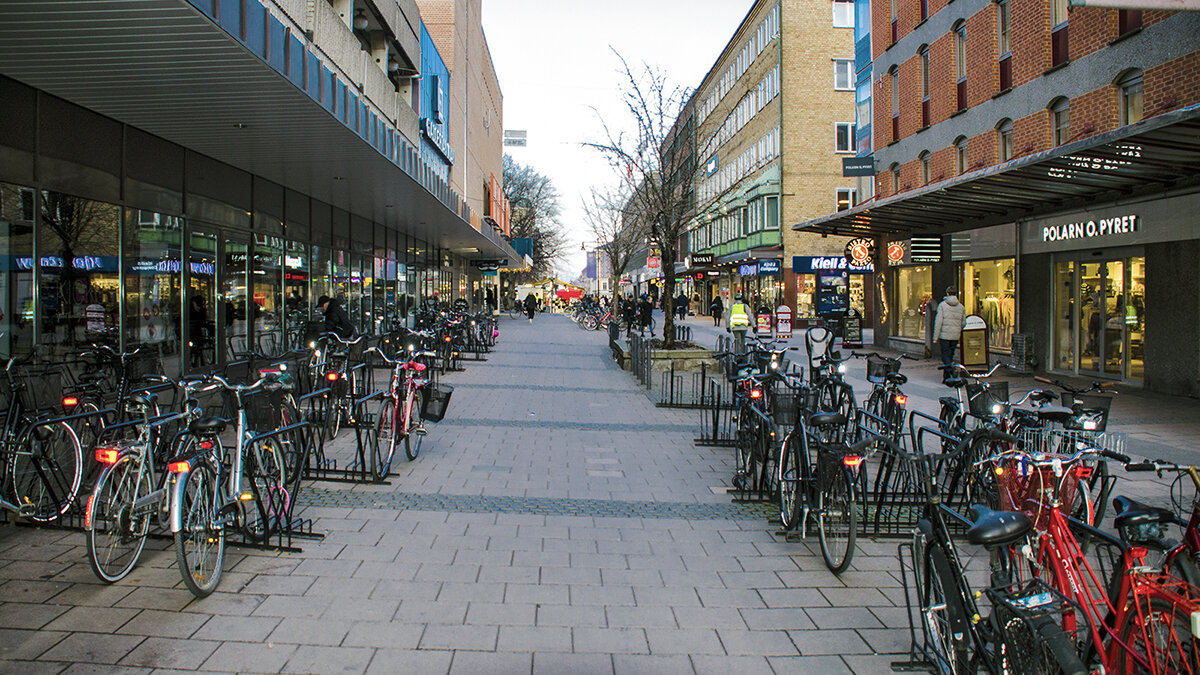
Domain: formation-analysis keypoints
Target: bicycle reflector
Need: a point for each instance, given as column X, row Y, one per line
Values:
column 756, row 393
column 332, row 377
column 70, row 401
column 106, row 455
column 901, row 399
column 179, row 467
column 1195, row 618
column 852, row 461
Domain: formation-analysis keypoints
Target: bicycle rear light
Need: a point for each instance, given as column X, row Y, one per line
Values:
column 87, row 525
column 70, row 401
column 852, row 461
column 206, row 445
column 901, row 399
column 756, row 393
column 332, row 377
column 106, row 455
column 179, row 467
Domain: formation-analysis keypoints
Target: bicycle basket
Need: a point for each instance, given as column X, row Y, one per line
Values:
column 878, row 369
column 784, row 407
column 981, row 399
column 1096, row 412
column 262, row 409
column 1028, row 638
column 437, row 400
column 42, row 387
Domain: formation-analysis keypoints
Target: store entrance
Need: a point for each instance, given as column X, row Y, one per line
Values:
column 1100, row 309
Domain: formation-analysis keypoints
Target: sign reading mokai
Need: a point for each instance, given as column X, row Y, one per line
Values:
column 1091, row 229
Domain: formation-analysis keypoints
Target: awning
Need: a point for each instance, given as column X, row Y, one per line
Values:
column 1157, row 154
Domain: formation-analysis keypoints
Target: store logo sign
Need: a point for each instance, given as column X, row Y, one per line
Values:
column 768, row 268
column 809, row 264
column 1090, row 229
column 748, row 270
column 436, row 136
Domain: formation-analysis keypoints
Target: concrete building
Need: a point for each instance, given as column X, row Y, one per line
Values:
column 773, row 118
column 1045, row 162
column 192, row 174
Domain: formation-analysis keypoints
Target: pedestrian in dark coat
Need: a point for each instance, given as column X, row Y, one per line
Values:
column 717, row 308
column 681, row 305
column 530, row 306
column 337, row 321
column 645, row 313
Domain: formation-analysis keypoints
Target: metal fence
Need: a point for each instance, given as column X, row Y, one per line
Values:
column 639, row 359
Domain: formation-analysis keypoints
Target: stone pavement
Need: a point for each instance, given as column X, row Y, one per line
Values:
column 555, row 522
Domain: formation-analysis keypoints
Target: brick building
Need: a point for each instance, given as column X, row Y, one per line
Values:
column 773, row 118
column 1043, row 160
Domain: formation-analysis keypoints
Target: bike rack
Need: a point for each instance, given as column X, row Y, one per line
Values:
column 359, row 470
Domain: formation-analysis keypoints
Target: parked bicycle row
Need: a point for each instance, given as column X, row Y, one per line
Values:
column 1021, row 481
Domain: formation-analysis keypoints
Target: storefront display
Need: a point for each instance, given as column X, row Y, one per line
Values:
column 912, row 290
column 988, row 289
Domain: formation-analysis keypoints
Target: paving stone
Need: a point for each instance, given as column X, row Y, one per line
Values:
column 28, row 615
column 541, row 594
column 158, row 652
column 310, row 631
column 708, row 617
column 293, row 606
column 684, row 641
column 92, row 648
column 430, row 611
column 250, row 657
column 157, row 623
column 643, row 617
column 488, row 663
column 388, row 634
column 831, row 641
column 757, row 642
column 472, row 592
column 92, row 619
column 843, row 617
column 392, row 661
column 314, row 659
column 549, row 663
column 742, row 665
column 472, row 637
column 812, row 664
column 611, row 640
column 534, row 639
column 26, row 645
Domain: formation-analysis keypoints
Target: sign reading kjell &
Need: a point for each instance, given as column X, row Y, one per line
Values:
column 1091, row 228
column 769, row 267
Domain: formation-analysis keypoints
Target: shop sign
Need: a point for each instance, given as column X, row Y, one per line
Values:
column 436, row 135
column 763, row 323
column 858, row 166
column 702, row 259
column 652, row 262
column 896, row 252
column 783, row 321
column 748, row 270
column 1091, row 229
column 804, row 264
column 973, row 347
column 714, row 273
column 769, row 267
column 833, row 293
column 860, row 252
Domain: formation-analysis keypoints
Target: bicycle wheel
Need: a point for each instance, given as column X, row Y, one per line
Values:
column 46, row 471
column 387, row 432
column 200, row 542
column 838, row 518
column 942, row 615
column 295, row 453
column 790, row 473
column 765, row 457
column 1161, row 633
column 742, row 450
column 115, row 534
column 412, row 441
column 265, row 474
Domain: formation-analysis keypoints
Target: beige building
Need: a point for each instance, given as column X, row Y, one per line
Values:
column 773, row 117
column 476, row 105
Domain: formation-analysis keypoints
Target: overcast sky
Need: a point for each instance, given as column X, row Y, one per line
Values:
column 554, row 63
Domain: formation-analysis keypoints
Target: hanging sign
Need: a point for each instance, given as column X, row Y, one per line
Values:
column 769, row 267
column 652, row 262
column 895, row 252
column 860, row 252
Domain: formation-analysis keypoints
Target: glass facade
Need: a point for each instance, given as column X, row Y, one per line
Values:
column 988, row 289
column 1100, row 317
column 912, row 291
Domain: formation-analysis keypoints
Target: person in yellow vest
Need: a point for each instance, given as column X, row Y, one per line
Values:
column 739, row 323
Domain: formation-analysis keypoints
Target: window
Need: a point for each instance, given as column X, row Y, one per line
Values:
column 960, row 63
column 1128, row 20
column 1131, row 96
column 895, row 23
column 1058, row 34
column 1004, row 51
column 924, row 54
column 924, row 9
column 772, row 213
column 1060, row 120
column 895, row 104
column 843, row 14
column 960, row 155
column 846, row 198
column 894, row 169
column 924, row 159
column 845, row 137
column 1005, row 132
column 843, row 74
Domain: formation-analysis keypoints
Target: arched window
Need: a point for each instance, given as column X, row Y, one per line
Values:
column 1130, row 104
column 1004, row 132
column 895, row 170
column 1060, row 120
column 924, row 159
column 960, row 155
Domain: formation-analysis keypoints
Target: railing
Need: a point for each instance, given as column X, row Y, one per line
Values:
column 640, row 363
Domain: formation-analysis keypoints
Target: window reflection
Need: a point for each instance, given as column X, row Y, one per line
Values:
column 153, row 281
column 16, row 270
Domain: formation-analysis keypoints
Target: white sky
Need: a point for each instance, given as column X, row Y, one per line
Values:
column 554, row 63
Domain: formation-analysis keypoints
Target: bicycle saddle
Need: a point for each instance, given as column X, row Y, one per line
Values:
column 1041, row 396
column 827, row 419
column 954, row 382
column 896, row 378
column 414, row 366
column 208, row 427
column 1055, row 413
column 1132, row 513
column 996, row 528
column 143, row 399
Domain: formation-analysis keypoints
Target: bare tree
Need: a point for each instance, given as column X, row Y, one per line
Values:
column 535, row 213
column 620, row 236
column 661, row 192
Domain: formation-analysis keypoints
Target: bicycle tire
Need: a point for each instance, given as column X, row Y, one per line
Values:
column 790, row 476
column 47, row 471
column 1165, row 627
column 115, row 536
column 741, row 457
column 839, row 519
column 295, row 452
column 943, row 616
column 385, row 435
column 265, row 471
column 412, row 441
column 767, row 485
column 200, row 543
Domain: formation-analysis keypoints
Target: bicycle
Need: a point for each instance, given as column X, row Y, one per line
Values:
column 400, row 411
column 886, row 402
column 1144, row 525
column 209, row 492
column 338, row 368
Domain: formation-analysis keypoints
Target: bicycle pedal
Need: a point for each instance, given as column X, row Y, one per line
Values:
column 420, row 431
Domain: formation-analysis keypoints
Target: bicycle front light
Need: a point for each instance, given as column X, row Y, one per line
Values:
column 841, row 368
column 997, row 408
column 756, row 393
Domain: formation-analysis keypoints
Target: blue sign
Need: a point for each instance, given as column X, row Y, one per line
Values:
column 833, row 293
column 750, row 270
column 807, row 264
column 769, row 268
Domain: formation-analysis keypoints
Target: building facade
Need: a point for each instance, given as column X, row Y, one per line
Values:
column 773, row 118
column 1044, row 162
column 222, row 167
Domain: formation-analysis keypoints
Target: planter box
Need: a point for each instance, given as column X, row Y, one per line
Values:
column 686, row 360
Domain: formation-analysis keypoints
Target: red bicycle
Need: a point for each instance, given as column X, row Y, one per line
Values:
column 399, row 418
column 1130, row 618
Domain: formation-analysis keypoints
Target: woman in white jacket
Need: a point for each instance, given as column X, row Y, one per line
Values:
column 947, row 327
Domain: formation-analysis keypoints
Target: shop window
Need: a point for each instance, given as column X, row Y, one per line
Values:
column 266, row 304
column 988, row 290
column 1059, row 53
column 1064, row 312
column 298, row 304
column 1130, row 86
column 154, row 283
column 843, row 14
column 79, row 278
column 16, row 277
column 1060, row 114
column 844, row 137
column 912, row 292
column 772, row 213
column 843, row 75
column 202, row 323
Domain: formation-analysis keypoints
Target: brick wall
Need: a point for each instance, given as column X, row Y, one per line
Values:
column 1172, row 85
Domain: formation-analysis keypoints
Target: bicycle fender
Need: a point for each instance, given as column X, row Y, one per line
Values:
column 175, row 491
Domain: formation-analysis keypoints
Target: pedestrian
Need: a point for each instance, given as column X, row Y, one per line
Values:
column 628, row 313
column 681, row 305
column 947, row 327
column 739, row 323
column 716, row 308
column 646, row 313
column 336, row 319
column 530, row 306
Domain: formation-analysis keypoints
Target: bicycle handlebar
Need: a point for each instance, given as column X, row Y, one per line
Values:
column 1096, row 385
column 893, row 359
column 261, row 383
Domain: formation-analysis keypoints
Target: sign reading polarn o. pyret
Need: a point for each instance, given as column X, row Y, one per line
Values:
column 1091, row 229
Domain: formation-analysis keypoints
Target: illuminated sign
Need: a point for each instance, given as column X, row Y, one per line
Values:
column 748, row 270
column 1091, row 229
column 860, row 252
column 769, row 267
column 803, row 264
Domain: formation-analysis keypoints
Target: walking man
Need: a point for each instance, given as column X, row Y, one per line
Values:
column 530, row 306
column 947, row 327
column 739, row 323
